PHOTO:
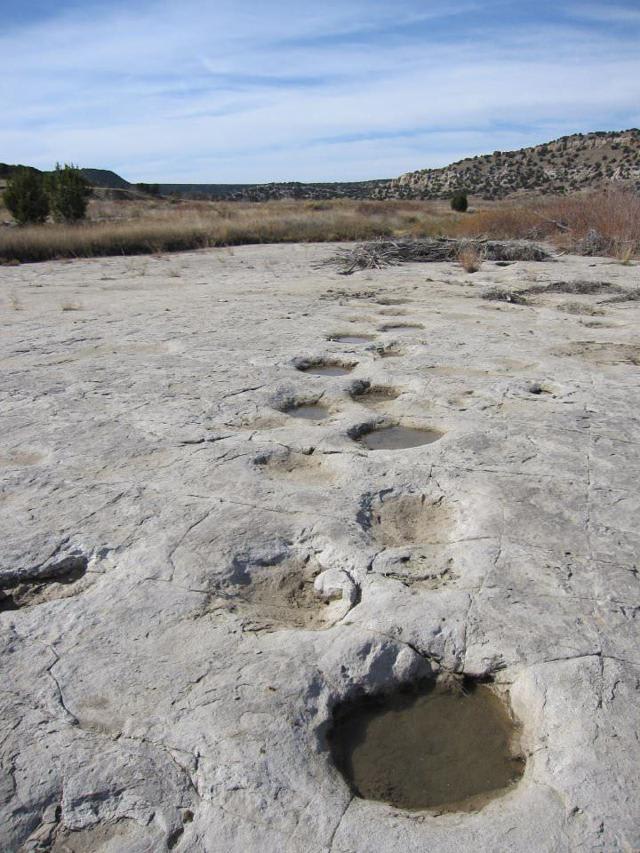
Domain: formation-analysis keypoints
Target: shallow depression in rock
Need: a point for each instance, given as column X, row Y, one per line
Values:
column 375, row 395
column 401, row 328
column 351, row 339
column 409, row 519
column 62, row 581
column 311, row 412
column 327, row 368
column 444, row 748
column 269, row 595
column 398, row 438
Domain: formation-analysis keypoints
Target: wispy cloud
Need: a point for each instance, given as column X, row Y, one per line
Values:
column 607, row 13
column 249, row 91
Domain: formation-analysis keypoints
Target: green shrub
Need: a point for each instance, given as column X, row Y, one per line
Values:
column 459, row 202
column 26, row 197
column 69, row 193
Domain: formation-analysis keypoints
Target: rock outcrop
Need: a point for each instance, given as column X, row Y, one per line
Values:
column 193, row 579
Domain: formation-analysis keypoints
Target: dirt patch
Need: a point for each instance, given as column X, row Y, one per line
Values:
column 269, row 595
column 396, row 520
column 295, row 465
column 443, row 747
column 413, row 533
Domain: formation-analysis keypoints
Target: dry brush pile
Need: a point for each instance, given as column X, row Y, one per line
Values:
column 385, row 253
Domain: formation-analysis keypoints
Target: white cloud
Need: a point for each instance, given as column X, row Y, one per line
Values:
column 241, row 91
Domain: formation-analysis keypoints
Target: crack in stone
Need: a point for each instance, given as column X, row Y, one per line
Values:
column 339, row 824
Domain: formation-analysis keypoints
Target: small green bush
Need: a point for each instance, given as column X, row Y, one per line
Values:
column 25, row 196
column 459, row 202
column 69, row 192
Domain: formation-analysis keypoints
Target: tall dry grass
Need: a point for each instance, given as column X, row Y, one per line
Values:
column 603, row 222
column 151, row 226
column 115, row 229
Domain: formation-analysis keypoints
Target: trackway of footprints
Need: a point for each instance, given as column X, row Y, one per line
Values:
column 447, row 744
column 384, row 746
column 292, row 591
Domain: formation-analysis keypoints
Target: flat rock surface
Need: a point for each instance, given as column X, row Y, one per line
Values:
column 192, row 577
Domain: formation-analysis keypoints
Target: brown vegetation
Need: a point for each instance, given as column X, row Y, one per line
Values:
column 599, row 223
column 592, row 223
column 470, row 258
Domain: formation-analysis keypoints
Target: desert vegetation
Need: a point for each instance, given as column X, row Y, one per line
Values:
column 470, row 258
column 605, row 222
column 596, row 222
column 459, row 203
column 32, row 196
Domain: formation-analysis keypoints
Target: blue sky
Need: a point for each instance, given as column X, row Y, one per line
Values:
column 247, row 91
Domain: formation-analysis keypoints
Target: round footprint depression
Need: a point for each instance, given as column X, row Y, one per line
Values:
column 398, row 438
column 443, row 748
column 327, row 369
column 310, row 412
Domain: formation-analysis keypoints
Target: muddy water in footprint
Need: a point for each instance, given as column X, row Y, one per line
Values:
column 441, row 749
column 310, row 413
column 398, row 438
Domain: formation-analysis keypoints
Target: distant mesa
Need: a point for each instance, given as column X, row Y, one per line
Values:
column 107, row 179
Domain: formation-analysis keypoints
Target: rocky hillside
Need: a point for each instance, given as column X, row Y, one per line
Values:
column 581, row 161
column 286, row 190
column 568, row 164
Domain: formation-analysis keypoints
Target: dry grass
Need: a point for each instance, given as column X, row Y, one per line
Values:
column 193, row 225
column 597, row 223
column 580, row 308
column 604, row 223
column 470, row 258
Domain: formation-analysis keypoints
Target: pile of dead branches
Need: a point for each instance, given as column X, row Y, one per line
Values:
column 386, row 253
